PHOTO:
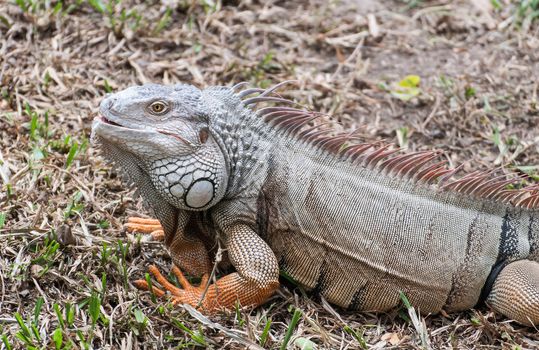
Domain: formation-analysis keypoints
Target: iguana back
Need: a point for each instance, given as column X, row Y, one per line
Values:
column 358, row 236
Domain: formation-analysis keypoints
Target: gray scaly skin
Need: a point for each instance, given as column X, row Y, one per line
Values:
column 352, row 223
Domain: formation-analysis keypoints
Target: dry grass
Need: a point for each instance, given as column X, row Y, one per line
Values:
column 66, row 264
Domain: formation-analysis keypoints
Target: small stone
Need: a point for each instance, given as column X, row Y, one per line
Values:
column 35, row 271
column 43, row 22
column 65, row 236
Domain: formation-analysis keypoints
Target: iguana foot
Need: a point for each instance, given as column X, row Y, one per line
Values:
column 226, row 292
column 143, row 225
column 188, row 295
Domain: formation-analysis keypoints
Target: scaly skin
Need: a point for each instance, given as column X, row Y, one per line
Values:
column 352, row 223
column 142, row 225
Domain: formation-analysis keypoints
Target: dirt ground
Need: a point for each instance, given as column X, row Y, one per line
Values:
column 66, row 263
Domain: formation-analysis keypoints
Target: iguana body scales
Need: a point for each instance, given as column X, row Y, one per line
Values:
column 354, row 222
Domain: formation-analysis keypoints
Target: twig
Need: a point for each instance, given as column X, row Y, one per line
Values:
column 112, row 319
column 432, row 113
column 218, row 258
column 228, row 332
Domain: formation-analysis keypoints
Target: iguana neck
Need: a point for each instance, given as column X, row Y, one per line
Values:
column 246, row 142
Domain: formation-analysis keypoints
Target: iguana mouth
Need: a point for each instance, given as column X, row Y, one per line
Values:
column 104, row 119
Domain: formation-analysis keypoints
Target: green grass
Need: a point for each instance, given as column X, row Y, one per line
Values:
column 197, row 336
column 47, row 255
column 527, row 11
column 120, row 16
column 358, row 336
column 66, row 335
column 291, row 327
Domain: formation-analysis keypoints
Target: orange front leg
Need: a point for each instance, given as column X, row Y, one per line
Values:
column 187, row 251
column 225, row 293
column 256, row 278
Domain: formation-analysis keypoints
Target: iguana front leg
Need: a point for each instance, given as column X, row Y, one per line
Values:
column 255, row 279
column 187, row 251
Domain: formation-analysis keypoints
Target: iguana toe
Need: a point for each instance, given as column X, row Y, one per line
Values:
column 143, row 225
column 226, row 292
column 187, row 294
column 143, row 285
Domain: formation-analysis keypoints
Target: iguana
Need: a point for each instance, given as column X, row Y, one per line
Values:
column 357, row 223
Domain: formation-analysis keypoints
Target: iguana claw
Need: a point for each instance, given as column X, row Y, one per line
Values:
column 188, row 294
column 226, row 292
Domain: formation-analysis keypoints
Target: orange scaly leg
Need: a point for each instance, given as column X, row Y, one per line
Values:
column 143, row 225
column 256, row 278
column 224, row 293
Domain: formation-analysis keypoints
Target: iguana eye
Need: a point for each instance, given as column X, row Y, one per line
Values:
column 158, row 107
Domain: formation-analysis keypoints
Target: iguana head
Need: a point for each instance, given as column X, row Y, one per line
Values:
column 162, row 133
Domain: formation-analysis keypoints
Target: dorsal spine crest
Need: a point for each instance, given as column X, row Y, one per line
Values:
column 419, row 167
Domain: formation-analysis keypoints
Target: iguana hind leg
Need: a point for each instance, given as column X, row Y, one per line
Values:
column 143, row 225
column 515, row 293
